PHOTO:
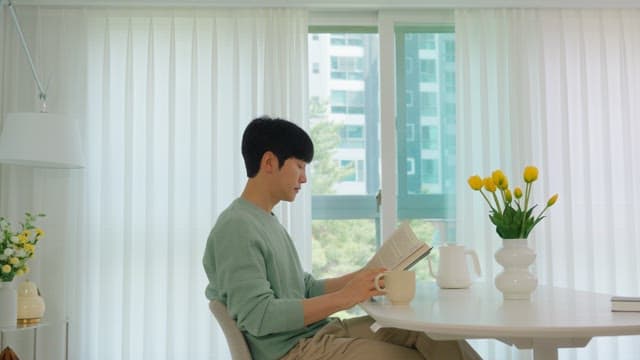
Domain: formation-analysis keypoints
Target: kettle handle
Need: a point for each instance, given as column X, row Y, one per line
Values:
column 431, row 270
column 476, row 262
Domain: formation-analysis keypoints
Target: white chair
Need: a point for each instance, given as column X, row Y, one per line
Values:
column 236, row 341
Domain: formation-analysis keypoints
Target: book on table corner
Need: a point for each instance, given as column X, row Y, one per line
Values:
column 400, row 251
column 625, row 303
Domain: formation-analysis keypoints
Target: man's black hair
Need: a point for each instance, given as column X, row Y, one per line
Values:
column 283, row 138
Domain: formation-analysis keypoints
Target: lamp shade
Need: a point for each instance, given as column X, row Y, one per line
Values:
column 41, row 140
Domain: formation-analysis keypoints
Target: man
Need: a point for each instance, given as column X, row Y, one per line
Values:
column 254, row 269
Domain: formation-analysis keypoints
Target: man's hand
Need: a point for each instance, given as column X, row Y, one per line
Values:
column 341, row 293
column 360, row 287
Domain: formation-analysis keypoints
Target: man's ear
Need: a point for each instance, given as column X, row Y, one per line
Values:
column 269, row 162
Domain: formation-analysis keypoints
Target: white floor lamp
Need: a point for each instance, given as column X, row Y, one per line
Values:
column 39, row 139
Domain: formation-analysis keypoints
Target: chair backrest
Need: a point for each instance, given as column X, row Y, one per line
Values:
column 236, row 341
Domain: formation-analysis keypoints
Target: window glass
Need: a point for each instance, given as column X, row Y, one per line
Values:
column 426, row 160
column 344, row 175
column 344, row 112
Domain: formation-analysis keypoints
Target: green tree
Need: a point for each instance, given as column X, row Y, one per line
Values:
column 325, row 169
column 326, row 137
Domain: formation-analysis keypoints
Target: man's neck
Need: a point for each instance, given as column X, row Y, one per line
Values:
column 258, row 194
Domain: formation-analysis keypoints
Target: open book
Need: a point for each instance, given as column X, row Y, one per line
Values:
column 400, row 251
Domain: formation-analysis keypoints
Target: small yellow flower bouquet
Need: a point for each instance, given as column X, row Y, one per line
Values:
column 16, row 247
column 512, row 215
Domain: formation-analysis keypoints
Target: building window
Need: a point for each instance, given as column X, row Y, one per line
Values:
column 349, row 166
column 449, row 51
column 346, row 68
column 347, row 102
column 411, row 132
column 427, row 70
column 429, row 137
column 450, row 82
column 427, row 41
column 428, row 103
column 352, row 136
column 411, row 166
column 429, row 171
column 408, row 98
column 347, row 39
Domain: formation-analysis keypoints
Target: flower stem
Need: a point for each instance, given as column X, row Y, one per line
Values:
column 487, row 200
column 495, row 198
column 527, row 191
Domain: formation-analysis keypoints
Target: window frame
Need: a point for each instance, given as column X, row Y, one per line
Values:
column 384, row 21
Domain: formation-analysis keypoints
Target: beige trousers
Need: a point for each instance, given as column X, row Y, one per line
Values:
column 352, row 339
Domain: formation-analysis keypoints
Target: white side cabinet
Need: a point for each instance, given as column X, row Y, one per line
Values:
column 23, row 339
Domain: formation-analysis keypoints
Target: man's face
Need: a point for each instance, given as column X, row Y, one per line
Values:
column 291, row 176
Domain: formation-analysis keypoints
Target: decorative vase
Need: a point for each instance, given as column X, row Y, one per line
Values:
column 30, row 303
column 8, row 304
column 515, row 282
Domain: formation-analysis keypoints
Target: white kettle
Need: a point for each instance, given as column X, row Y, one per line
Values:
column 452, row 271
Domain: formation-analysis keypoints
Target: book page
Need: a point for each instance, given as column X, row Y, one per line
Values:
column 401, row 250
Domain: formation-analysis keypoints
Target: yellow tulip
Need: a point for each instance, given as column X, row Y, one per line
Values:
column 475, row 182
column 530, row 174
column 507, row 196
column 26, row 269
column 6, row 268
column 552, row 200
column 13, row 260
column 489, row 185
column 20, row 272
column 500, row 179
column 517, row 192
column 496, row 175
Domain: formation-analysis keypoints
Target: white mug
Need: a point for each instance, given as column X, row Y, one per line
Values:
column 399, row 286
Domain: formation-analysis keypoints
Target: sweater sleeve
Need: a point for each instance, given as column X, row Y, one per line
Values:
column 312, row 286
column 242, row 273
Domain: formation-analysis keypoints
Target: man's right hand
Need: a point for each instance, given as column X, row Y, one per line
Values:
column 360, row 287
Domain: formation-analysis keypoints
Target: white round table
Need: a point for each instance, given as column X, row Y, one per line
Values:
column 553, row 318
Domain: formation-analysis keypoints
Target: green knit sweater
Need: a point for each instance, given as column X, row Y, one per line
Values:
column 254, row 269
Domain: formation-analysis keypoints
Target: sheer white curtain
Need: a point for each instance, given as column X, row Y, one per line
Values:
column 557, row 89
column 163, row 96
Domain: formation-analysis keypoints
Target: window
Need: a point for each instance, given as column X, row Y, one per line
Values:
column 346, row 68
column 345, row 127
column 344, row 175
column 429, row 137
column 428, row 70
column 349, row 169
column 347, row 102
column 429, row 172
column 426, row 41
column 411, row 132
column 315, row 68
column 411, row 166
column 409, row 98
column 352, row 136
column 428, row 103
column 427, row 192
